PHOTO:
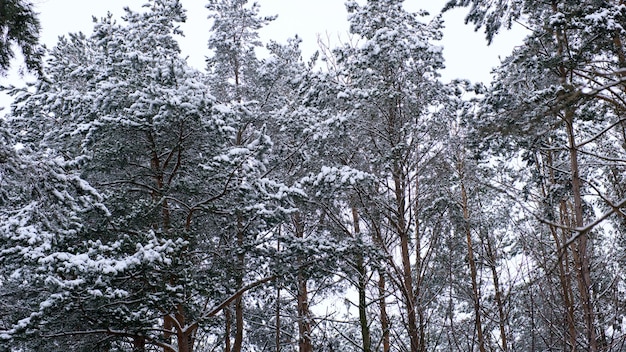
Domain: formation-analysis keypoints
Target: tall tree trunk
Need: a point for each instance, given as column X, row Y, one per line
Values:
column 471, row 262
column 407, row 274
column 583, row 265
column 240, row 270
column 581, row 254
column 361, row 287
column 363, row 321
column 238, row 343
column 302, row 298
column 277, row 331
column 563, row 252
column 419, row 265
column 498, row 294
column 382, row 291
column 159, row 182
column 533, row 339
column 564, row 274
column 157, row 171
column 384, row 319
column 227, row 329
column 304, row 320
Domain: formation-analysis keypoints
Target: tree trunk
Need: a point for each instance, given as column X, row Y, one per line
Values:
column 168, row 326
column 564, row 275
column 562, row 251
column 302, row 298
column 361, row 286
column 419, row 266
column 157, row 171
column 498, row 295
column 365, row 330
column 407, row 274
column 384, row 319
column 277, row 331
column 382, row 291
column 238, row 343
column 159, row 182
column 582, row 256
column 304, row 320
column 227, row 329
column 185, row 334
column 139, row 344
column 472, row 263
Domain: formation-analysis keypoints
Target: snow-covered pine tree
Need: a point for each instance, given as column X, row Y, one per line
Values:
column 43, row 200
column 268, row 94
column 388, row 87
column 141, row 127
column 473, row 267
column 557, row 104
column 20, row 27
column 323, row 156
column 250, row 93
column 232, row 70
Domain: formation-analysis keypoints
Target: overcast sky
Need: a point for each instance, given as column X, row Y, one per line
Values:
column 465, row 51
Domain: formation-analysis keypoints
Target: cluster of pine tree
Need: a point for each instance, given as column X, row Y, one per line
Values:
column 270, row 205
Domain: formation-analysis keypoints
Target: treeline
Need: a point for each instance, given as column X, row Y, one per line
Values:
column 266, row 204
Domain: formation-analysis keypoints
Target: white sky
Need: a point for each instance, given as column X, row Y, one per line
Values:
column 465, row 51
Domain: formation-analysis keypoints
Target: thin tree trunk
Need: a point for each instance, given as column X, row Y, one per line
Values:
column 278, row 302
column 238, row 344
column 384, row 319
column 472, row 263
column 419, row 266
column 564, row 275
column 382, row 293
column 451, row 331
column 302, row 298
column 304, row 323
column 533, row 339
column 157, row 195
column 365, row 330
column 159, row 180
column 498, row 295
column 227, row 332
column 563, row 258
column 582, row 262
column 361, row 286
column 581, row 250
column 407, row 274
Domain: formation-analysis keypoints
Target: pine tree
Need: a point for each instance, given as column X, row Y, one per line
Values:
column 557, row 101
column 20, row 26
column 233, row 69
column 140, row 126
column 43, row 199
column 386, row 86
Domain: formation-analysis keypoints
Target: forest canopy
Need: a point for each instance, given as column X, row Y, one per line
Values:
column 352, row 201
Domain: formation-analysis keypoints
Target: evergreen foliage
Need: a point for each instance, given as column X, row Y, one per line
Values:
column 20, row 26
column 268, row 204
